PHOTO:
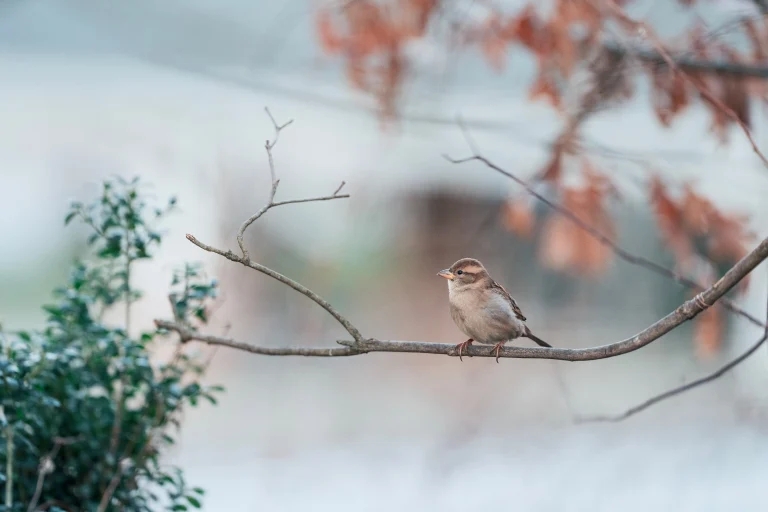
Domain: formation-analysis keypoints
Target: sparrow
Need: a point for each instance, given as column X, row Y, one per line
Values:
column 482, row 309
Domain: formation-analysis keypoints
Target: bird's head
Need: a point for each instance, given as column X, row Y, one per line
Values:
column 463, row 273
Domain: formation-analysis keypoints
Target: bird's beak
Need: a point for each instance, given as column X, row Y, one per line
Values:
column 446, row 273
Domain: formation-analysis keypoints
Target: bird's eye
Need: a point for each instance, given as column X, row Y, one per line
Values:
column 459, row 272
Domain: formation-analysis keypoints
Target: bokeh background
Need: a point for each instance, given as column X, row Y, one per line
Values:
column 175, row 91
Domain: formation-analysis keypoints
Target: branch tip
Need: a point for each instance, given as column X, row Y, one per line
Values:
column 336, row 193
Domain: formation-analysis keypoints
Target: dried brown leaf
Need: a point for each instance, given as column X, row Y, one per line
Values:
column 357, row 73
column 544, row 88
column 669, row 217
column 518, row 217
column 330, row 41
column 495, row 50
column 696, row 212
column 670, row 93
column 729, row 239
column 554, row 169
column 418, row 15
column 559, row 243
column 567, row 249
column 708, row 332
column 524, row 28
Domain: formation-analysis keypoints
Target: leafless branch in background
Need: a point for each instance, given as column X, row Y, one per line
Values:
column 681, row 389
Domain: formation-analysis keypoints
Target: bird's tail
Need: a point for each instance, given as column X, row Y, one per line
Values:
column 536, row 339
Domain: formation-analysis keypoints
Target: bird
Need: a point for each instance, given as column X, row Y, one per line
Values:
column 482, row 309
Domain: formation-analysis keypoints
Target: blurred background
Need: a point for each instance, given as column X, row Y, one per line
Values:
column 175, row 92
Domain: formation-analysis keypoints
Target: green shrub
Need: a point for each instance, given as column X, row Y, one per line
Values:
column 84, row 412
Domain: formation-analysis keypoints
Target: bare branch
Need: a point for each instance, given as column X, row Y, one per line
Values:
column 734, row 69
column 189, row 334
column 46, row 467
column 620, row 252
column 312, row 199
column 683, row 313
column 336, row 193
column 681, row 389
column 278, row 127
column 112, row 487
column 352, row 330
column 275, row 183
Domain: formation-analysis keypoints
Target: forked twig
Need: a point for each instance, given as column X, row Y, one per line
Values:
column 245, row 259
column 273, row 190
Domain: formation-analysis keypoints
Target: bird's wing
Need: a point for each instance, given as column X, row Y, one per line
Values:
column 504, row 293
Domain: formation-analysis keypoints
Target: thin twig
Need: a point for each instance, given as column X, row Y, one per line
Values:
column 600, row 237
column 352, row 330
column 336, row 192
column 46, row 467
column 9, row 466
column 111, row 488
column 687, row 311
column 278, row 128
column 221, row 341
column 680, row 389
column 683, row 63
column 137, row 460
column 273, row 190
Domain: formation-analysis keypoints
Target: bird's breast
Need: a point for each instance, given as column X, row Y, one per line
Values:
column 486, row 319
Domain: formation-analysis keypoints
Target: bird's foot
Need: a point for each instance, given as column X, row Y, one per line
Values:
column 497, row 349
column 463, row 346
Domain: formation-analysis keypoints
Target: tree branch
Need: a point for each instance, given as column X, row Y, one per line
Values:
column 681, row 389
column 688, row 310
column 245, row 258
column 275, row 183
column 188, row 334
column 352, row 330
column 47, row 466
column 734, row 69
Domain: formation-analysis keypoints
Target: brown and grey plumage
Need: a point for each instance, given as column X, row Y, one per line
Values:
column 482, row 308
